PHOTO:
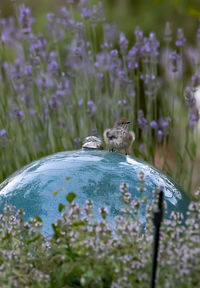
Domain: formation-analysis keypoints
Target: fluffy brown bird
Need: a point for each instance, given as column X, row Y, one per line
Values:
column 119, row 138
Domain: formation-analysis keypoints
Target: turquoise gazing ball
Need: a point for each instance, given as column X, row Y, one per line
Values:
column 94, row 175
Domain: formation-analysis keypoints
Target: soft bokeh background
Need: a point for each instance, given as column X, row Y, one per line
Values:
column 150, row 15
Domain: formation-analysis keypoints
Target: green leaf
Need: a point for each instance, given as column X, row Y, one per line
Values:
column 33, row 239
column 38, row 219
column 55, row 193
column 67, row 178
column 61, row 207
column 70, row 197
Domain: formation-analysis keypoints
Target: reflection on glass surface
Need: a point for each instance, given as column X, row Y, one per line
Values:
column 94, row 175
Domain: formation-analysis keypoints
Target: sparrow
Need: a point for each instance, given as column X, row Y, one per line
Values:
column 119, row 138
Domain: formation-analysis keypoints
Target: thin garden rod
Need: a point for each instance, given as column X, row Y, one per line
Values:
column 157, row 219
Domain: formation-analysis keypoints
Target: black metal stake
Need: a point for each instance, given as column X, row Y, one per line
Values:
column 157, row 219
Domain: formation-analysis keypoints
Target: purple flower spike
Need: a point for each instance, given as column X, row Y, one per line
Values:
column 193, row 116
column 123, row 43
column 3, row 38
column 32, row 112
column 168, row 33
column 154, row 124
column 53, row 66
column 98, row 13
column 25, row 19
column 159, row 135
column 189, row 97
column 80, row 102
column 92, row 108
column 54, row 102
column 77, row 140
column 114, row 53
column 85, row 13
column 195, row 81
column 2, row 132
column 175, row 61
column 138, row 35
column 142, row 122
column 180, row 38
column 18, row 114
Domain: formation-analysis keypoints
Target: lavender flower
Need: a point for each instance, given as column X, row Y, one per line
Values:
column 180, row 38
column 142, row 121
column 54, row 102
column 195, row 80
column 193, row 116
column 110, row 33
column 150, row 46
column 32, row 112
column 28, row 72
column 3, row 38
column 17, row 70
column 122, row 79
column 44, row 82
column 139, row 37
column 122, row 102
column 80, row 102
column 154, row 125
column 189, row 97
column 175, row 61
column 98, row 13
column 77, row 142
column 162, row 127
column 142, row 147
column 132, row 58
column 65, row 20
column 18, row 114
column 159, row 135
column 25, row 19
column 79, row 30
column 152, row 84
column 53, row 67
column 86, row 13
column 168, row 33
column 3, row 132
column 92, row 108
column 123, row 43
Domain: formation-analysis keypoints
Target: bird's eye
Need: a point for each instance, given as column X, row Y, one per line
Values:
column 123, row 123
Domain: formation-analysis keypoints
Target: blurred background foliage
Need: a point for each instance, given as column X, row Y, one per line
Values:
column 150, row 15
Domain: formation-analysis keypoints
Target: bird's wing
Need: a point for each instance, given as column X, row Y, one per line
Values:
column 105, row 135
column 112, row 134
column 131, row 137
column 109, row 134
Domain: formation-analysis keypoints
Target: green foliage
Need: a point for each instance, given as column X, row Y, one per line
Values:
column 84, row 253
column 61, row 207
column 70, row 197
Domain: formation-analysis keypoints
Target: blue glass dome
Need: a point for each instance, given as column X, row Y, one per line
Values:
column 90, row 174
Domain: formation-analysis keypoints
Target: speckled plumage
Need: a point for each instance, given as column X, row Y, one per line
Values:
column 119, row 138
